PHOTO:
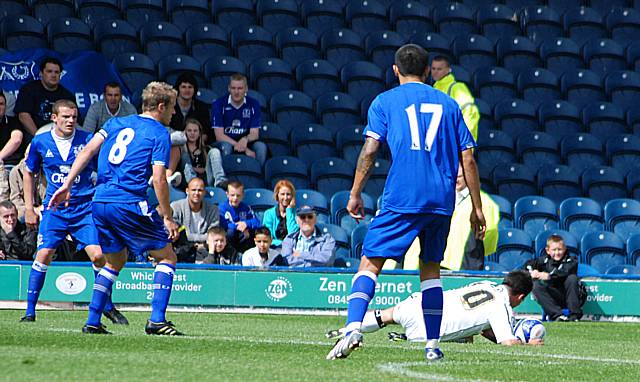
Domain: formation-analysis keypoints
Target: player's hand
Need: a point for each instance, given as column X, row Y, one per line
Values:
column 242, row 226
column 478, row 223
column 355, row 206
column 536, row 342
column 2, row 256
column 296, row 253
column 31, row 218
column 172, row 228
column 61, row 195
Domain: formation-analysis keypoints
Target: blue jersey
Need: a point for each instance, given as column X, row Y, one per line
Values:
column 132, row 145
column 236, row 122
column 44, row 154
column 425, row 133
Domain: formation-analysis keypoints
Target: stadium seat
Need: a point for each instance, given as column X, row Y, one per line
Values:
column 341, row 46
column 581, row 151
column 275, row 15
column 252, row 42
column 622, row 216
column 606, row 6
column 623, row 152
column 245, row 169
column 338, row 233
column 633, row 250
column 494, row 85
column 623, row 88
column 580, row 216
column 207, row 40
column 316, row 77
column 518, row 4
column 486, row 115
column 311, row 142
column 570, row 242
column 558, row 182
column 454, row 19
column 537, row 85
column 377, row 178
column 602, row 250
column 633, row 55
column 141, row 12
column 184, row 14
column 559, row 118
column 13, row 8
column 43, row 10
column 515, row 117
column 633, row 183
column 271, row 75
column 260, row 200
column 161, row 39
column 586, row 270
column 317, row 200
column 22, row 32
column 515, row 247
column 561, row 6
column 276, row 139
column 297, row 44
column 604, row 120
column 583, row 24
column 218, row 70
column 230, row 14
column 540, row 23
column 206, row 95
column 340, row 216
column 113, row 37
column 623, row 25
column 331, row 174
column 582, row 87
column 506, row 211
column 535, row 214
column 603, row 183
column 361, row 79
column 320, row 16
column 92, row 11
column 338, row 109
column 517, row 54
column 604, row 56
column 490, row 266
column 286, row 167
column 561, row 55
column 380, row 46
column 513, row 181
column 434, row 43
column 172, row 66
column 135, row 69
column 357, row 238
column 215, row 195
column 633, row 120
column 623, row 270
column 290, row 109
column 349, row 141
column 537, row 148
column 68, row 34
column 364, row 16
column 262, row 100
column 496, row 21
column 410, row 17
column 474, row 52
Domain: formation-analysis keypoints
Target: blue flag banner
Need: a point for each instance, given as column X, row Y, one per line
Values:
column 84, row 73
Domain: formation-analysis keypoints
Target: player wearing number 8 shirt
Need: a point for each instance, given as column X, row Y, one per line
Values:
column 131, row 150
column 426, row 135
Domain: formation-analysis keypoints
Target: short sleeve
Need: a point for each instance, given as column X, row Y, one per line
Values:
column 161, row 149
column 34, row 159
column 25, row 102
column 216, row 114
column 500, row 321
column 465, row 139
column 106, row 128
column 377, row 122
column 256, row 116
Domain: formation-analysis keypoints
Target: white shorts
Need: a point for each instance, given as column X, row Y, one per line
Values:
column 408, row 313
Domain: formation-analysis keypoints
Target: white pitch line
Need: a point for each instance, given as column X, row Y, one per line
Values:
column 402, row 369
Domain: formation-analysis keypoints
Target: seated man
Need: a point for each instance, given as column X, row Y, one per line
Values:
column 479, row 308
column 111, row 105
column 309, row 246
column 197, row 216
column 11, row 147
column 16, row 184
column 17, row 242
column 556, row 285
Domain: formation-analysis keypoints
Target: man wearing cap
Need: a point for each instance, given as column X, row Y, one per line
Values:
column 308, row 246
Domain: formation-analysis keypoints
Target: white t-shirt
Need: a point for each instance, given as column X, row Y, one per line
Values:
column 252, row 258
column 466, row 311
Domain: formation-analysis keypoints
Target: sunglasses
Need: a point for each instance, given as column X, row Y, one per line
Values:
column 309, row 216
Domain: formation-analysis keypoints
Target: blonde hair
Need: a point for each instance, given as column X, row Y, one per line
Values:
column 285, row 183
column 554, row 239
column 155, row 93
column 55, row 109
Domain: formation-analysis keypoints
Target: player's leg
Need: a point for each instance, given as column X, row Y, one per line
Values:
column 102, row 289
column 162, row 284
column 98, row 259
column 572, row 297
column 37, row 276
column 373, row 321
column 549, row 299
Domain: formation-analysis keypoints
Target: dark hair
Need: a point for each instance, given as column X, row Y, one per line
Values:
column 111, row 84
column 2, row 95
column 217, row 231
column 263, row 231
column 235, row 184
column 55, row 109
column 519, row 282
column 188, row 78
column 50, row 60
column 442, row 58
column 7, row 204
column 412, row 60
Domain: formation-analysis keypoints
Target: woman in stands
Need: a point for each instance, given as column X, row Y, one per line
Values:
column 281, row 219
column 198, row 159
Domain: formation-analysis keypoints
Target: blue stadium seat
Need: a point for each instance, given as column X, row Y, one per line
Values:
column 218, row 70
column 633, row 55
column 604, row 56
column 622, row 216
column 410, row 17
column 633, row 183
column 377, row 178
column 561, row 6
column 506, row 211
column 316, row 77
column 172, row 66
column 623, row 152
column 43, row 10
column 517, row 53
column 364, row 16
column 141, row 12
column 174, row 195
column 586, row 270
column 349, row 141
column 474, row 52
column 113, row 37
column 271, row 75
column 207, row 40
column 633, row 120
column 570, row 241
column 537, row 85
column 434, row 43
column 245, row 169
column 338, row 233
column 486, row 115
column 517, row 4
column 623, row 88
column 580, row 216
column 454, row 19
column 583, row 24
column 260, row 200
column 286, row 167
column 262, row 100
column 362, row 79
column 215, row 195
column 341, row 46
column 317, row 200
column 515, row 247
column 603, row 183
column 275, row 15
column 331, row 174
column 515, row 117
column 135, row 69
column 606, row 6
column 604, row 119
column 535, row 214
column 558, row 182
column 252, row 42
column 490, row 266
column 92, row 11
column 320, row 16
column 290, row 108
column 297, row 44
column 537, row 148
column 581, row 151
column 559, row 118
column 13, row 8
column 633, row 250
column 582, row 87
column 514, row 180
column 230, row 14
column 206, row 95
column 161, row 39
column 68, row 34
column 540, row 23
column 602, row 250
column 357, row 238
column 496, row 21
column 276, row 139
column 22, row 32
column 561, row 55
column 338, row 109
column 185, row 13
column 494, row 85
column 623, row 269
column 340, row 215
column 623, row 25
column 380, row 46
column 311, row 142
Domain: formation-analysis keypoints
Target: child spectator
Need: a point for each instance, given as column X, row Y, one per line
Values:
column 198, row 159
column 238, row 218
column 219, row 252
column 262, row 255
column 281, row 219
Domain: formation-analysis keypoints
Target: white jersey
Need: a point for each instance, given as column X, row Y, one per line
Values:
column 466, row 311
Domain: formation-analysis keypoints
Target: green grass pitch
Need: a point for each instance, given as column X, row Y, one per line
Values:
column 242, row 347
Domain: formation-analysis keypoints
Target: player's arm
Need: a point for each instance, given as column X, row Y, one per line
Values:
column 366, row 160
column 30, row 216
column 470, row 172
column 161, row 188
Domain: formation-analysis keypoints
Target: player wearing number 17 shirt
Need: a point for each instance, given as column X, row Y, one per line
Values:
column 427, row 137
column 131, row 150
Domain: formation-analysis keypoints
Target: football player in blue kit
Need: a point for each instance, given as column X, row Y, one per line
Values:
column 131, row 149
column 427, row 137
column 54, row 152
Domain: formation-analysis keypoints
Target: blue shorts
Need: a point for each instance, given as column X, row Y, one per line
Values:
column 391, row 233
column 75, row 220
column 129, row 225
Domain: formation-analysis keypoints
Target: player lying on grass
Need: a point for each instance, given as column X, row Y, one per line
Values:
column 479, row 308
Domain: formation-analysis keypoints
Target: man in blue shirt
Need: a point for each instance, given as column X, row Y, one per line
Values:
column 426, row 135
column 131, row 149
column 235, row 118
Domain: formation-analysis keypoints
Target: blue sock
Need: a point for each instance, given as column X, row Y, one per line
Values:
column 363, row 288
column 36, row 281
column 432, row 309
column 108, row 306
column 162, row 282
column 101, row 292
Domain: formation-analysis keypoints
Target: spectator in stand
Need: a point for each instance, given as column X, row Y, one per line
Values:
column 11, row 151
column 37, row 97
column 309, row 246
column 195, row 216
column 11, row 103
column 281, row 219
column 16, row 185
column 17, row 242
column 187, row 105
column 262, row 255
column 111, row 105
column 200, row 160
column 236, row 121
column 219, row 252
column 237, row 218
